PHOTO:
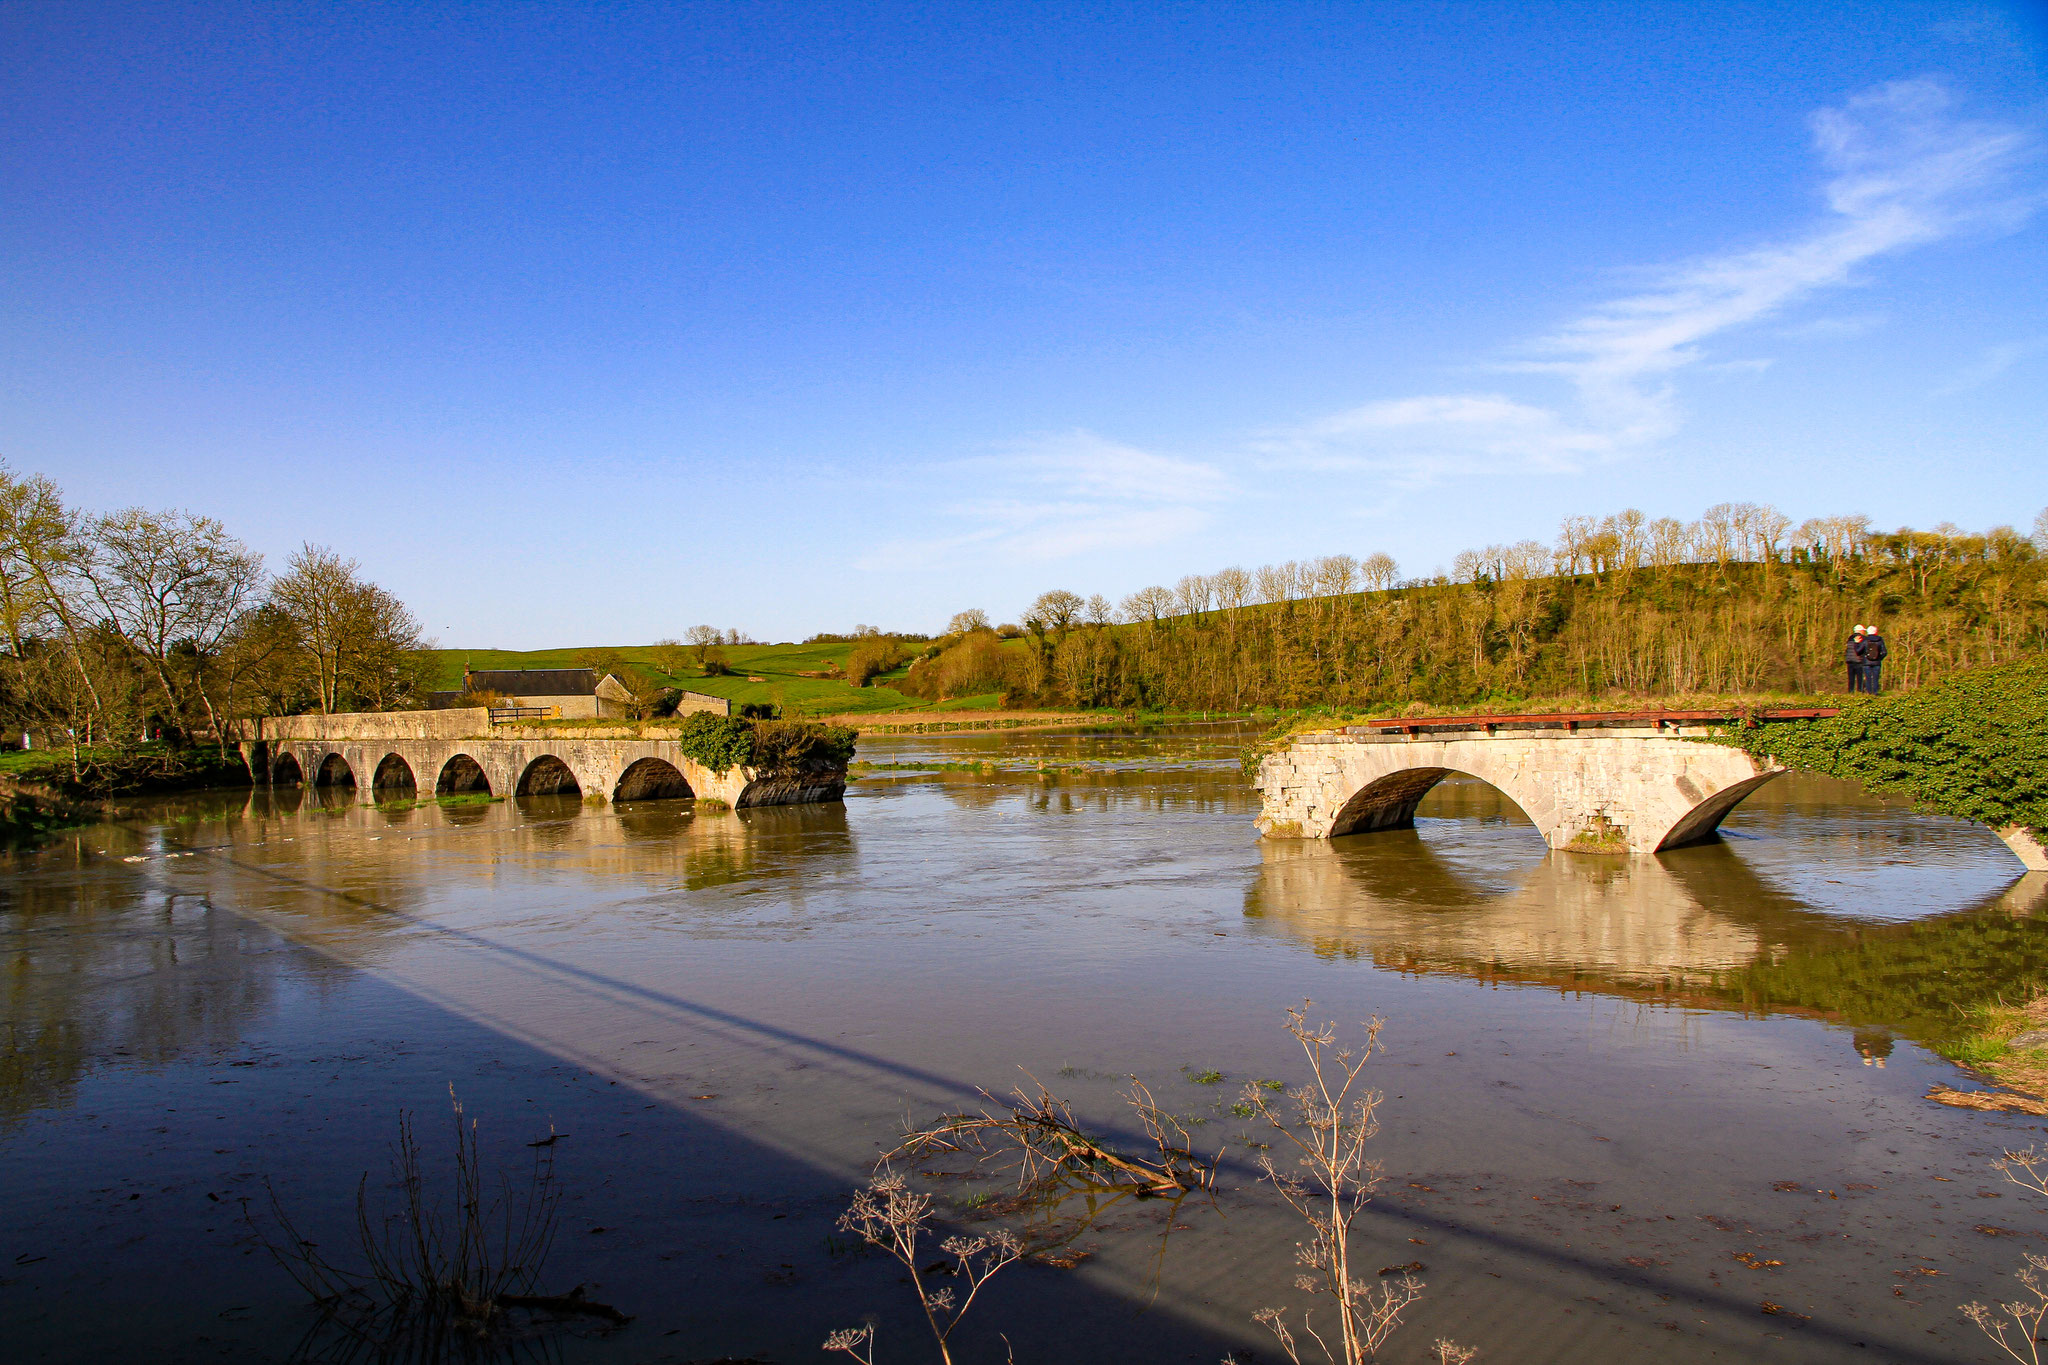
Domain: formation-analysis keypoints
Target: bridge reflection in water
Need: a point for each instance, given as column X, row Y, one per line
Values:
column 1697, row 927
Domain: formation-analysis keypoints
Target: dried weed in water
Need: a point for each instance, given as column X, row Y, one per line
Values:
column 893, row 1217
column 2015, row 1326
column 437, row 1284
column 1038, row 1134
column 1328, row 1122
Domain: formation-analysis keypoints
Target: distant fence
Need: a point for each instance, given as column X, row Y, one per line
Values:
column 506, row 715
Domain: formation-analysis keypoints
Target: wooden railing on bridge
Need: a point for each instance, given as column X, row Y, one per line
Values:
column 1572, row 720
column 506, row 715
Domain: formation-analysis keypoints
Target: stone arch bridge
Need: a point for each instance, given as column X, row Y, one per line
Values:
column 1602, row 783
column 454, row 752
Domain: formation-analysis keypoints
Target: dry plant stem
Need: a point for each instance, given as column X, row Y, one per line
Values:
column 2016, row 1326
column 1328, row 1122
column 890, row 1215
column 429, row 1270
column 858, row 1342
column 1040, row 1131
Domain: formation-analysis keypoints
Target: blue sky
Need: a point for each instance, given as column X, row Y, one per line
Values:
column 586, row 324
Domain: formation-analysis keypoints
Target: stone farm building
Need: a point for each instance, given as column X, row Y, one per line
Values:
column 567, row 693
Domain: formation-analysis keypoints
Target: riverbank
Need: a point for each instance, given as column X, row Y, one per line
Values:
column 964, row 722
column 2008, row 1046
column 46, row 791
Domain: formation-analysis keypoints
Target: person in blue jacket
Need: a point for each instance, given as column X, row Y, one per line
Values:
column 1873, row 660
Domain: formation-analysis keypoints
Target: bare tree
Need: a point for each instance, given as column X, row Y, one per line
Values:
column 1233, row 587
column 963, row 622
column 352, row 635
column 1380, row 571
column 172, row 581
column 1056, row 611
column 42, row 553
column 669, row 656
column 703, row 639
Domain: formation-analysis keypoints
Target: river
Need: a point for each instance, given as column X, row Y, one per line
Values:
column 1666, row 1108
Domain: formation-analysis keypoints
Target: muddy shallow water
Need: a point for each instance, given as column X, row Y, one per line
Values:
column 1606, row 1079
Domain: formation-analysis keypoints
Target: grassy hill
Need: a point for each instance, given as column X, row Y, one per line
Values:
column 781, row 669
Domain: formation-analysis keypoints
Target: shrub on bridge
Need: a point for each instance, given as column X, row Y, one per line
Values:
column 717, row 742
column 1974, row 745
column 772, row 747
column 793, row 746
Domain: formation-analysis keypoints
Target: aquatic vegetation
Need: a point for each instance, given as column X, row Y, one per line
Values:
column 890, row 1216
column 439, row 1278
column 1206, row 1076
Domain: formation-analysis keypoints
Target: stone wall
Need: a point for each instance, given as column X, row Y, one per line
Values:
column 447, row 723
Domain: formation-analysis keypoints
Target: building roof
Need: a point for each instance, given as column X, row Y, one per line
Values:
column 534, row 682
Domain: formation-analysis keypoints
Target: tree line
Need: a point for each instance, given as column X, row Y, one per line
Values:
column 124, row 625
column 1740, row 601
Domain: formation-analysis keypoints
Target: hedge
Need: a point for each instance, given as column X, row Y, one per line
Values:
column 1974, row 745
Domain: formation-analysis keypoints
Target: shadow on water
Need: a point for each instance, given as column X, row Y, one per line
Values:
column 722, row 1244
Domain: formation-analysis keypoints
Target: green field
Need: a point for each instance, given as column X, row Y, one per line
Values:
column 780, row 668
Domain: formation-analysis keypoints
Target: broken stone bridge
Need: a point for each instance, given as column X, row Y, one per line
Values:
column 1638, row 782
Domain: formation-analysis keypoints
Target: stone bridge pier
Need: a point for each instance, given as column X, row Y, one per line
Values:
column 1603, row 791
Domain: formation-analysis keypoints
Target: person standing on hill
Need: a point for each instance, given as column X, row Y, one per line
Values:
column 1873, row 660
column 1853, row 655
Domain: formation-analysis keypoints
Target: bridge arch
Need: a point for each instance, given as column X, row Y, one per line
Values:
column 394, row 774
column 461, row 774
column 652, row 779
column 548, row 776
column 334, row 772
column 286, row 772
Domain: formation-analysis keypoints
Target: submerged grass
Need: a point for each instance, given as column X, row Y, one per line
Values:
column 2006, row 1044
column 457, row 799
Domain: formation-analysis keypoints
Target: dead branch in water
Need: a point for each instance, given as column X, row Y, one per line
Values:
column 1039, row 1132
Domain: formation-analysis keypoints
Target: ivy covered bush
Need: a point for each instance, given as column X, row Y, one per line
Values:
column 772, row 747
column 1974, row 745
column 790, row 746
column 718, row 742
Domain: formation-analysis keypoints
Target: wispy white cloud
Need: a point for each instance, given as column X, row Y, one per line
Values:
column 1836, row 328
column 1902, row 170
column 1992, row 363
column 1055, row 496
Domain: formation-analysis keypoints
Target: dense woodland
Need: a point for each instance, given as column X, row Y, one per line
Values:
column 1738, row 602
column 138, row 624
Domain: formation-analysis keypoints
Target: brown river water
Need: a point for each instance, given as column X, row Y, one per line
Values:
column 1628, row 1102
